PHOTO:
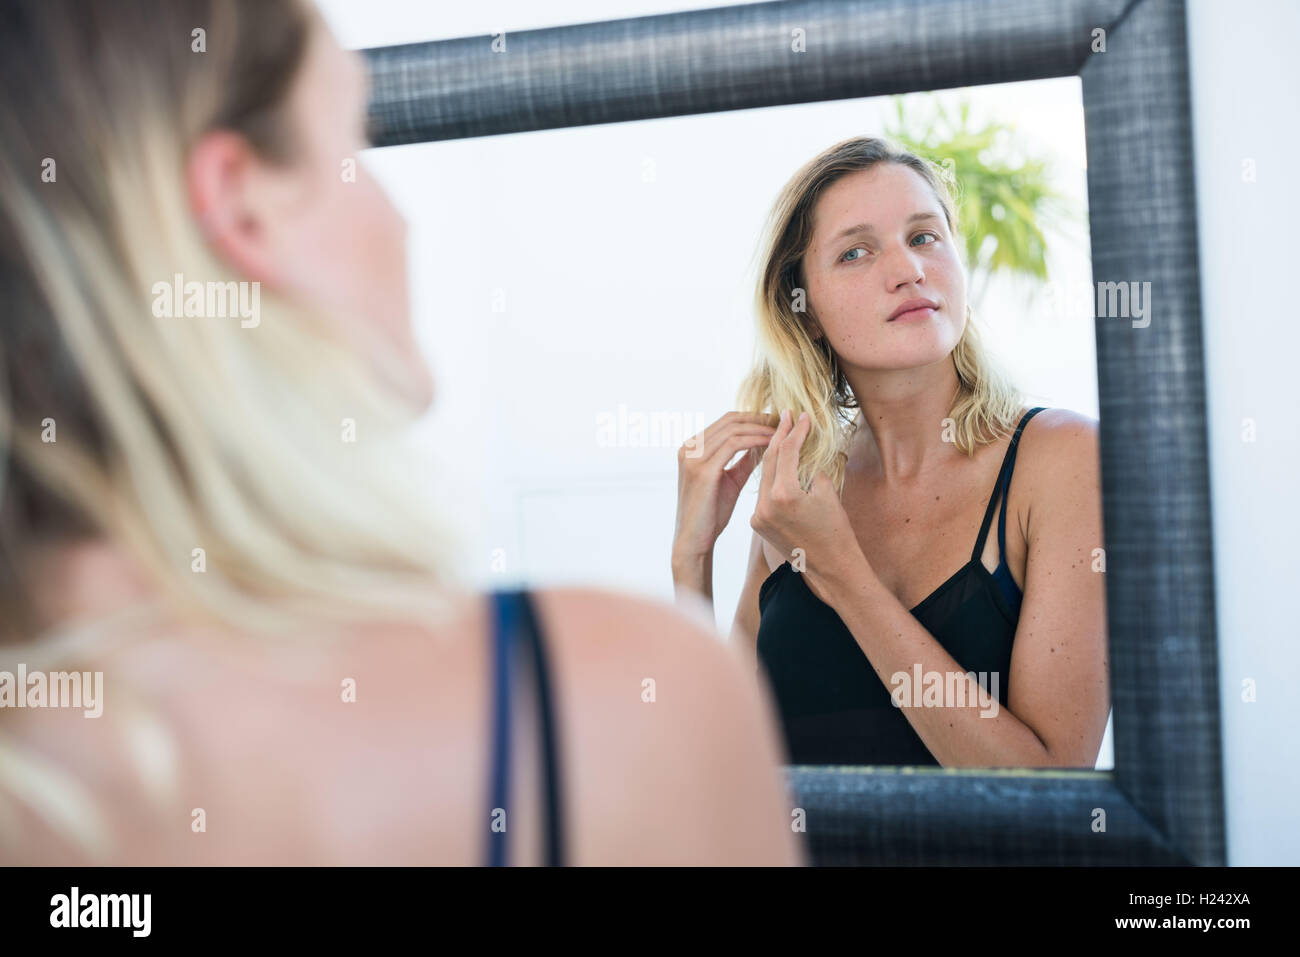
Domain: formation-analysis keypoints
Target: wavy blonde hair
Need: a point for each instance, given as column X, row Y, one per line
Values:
column 174, row 434
column 793, row 370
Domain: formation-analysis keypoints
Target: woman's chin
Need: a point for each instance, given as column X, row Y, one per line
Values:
column 417, row 389
column 408, row 383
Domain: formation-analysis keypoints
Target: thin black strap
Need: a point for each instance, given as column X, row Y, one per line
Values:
column 503, row 626
column 514, row 622
column 551, row 783
column 1006, row 483
column 1003, row 482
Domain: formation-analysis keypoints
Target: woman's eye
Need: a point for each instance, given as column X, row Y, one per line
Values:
column 848, row 257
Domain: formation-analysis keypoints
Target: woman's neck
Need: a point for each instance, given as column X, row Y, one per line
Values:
column 903, row 412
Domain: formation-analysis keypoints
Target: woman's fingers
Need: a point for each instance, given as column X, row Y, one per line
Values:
column 719, row 453
column 772, row 457
column 706, row 443
column 727, row 450
column 744, row 467
column 788, row 469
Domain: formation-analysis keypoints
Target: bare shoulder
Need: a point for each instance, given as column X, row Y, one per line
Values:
column 1058, row 445
column 1058, row 467
column 675, row 748
column 633, row 627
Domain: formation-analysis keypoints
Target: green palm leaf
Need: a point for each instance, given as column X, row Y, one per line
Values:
column 1001, row 204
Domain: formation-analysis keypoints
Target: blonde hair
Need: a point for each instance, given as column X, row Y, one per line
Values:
column 794, row 370
column 176, row 434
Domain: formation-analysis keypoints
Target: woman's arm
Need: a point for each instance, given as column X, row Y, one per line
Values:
column 744, row 626
column 693, row 583
column 1058, row 694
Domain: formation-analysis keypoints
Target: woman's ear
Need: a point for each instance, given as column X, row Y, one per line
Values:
column 225, row 180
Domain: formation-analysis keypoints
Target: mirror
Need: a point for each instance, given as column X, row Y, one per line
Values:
column 589, row 293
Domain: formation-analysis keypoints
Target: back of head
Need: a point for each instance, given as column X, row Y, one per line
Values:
column 255, row 469
column 250, row 464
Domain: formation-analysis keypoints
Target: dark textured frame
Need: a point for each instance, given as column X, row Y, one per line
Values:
column 1163, row 801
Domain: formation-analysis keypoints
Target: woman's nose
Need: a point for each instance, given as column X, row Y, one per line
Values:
column 903, row 266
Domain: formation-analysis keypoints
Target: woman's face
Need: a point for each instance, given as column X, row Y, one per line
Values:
column 320, row 231
column 880, row 239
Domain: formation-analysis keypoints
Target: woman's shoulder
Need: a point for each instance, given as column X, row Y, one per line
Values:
column 214, row 748
column 1058, row 463
column 1056, row 438
column 665, row 711
column 626, row 656
column 1052, row 418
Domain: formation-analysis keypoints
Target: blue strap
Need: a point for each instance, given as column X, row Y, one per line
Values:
column 503, row 627
column 552, row 851
column 515, row 620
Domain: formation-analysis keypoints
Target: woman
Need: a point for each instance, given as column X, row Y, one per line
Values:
column 213, row 511
column 882, row 647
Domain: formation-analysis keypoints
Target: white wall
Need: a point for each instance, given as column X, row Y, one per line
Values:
column 1245, row 82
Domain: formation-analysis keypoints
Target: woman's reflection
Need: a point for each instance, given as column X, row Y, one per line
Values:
column 900, row 613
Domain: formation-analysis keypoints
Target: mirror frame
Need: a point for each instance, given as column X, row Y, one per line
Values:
column 1163, row 801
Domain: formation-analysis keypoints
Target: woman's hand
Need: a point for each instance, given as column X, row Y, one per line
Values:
column 814, row 522
column 706, row 489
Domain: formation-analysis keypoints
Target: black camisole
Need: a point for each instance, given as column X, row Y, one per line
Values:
column 834, row 708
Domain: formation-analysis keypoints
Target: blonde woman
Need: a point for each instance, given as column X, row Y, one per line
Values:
column 908, row 602
column 211, row 506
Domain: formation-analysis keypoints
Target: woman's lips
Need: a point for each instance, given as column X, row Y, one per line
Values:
column 924, row 312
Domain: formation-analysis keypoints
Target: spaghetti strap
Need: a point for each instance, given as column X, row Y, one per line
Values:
column 1000, row 486
column 550, row 782
column 515, row 622
column 503, row 626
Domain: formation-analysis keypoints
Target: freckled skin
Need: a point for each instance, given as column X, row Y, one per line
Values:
column 856, row 282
